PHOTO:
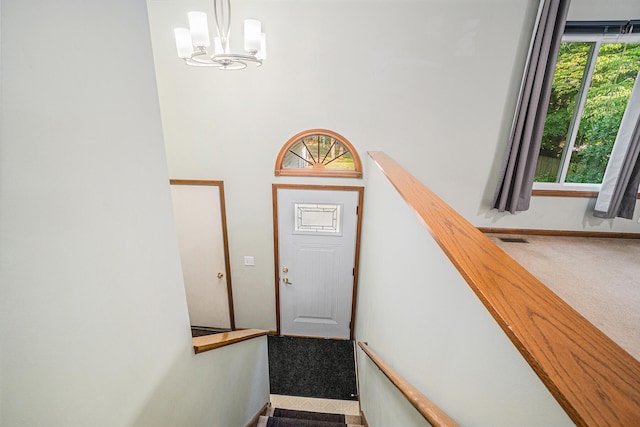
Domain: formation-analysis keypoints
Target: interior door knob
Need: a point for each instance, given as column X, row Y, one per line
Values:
column 220, row 275
column 286, row 280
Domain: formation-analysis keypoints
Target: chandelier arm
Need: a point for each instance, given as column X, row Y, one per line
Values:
column 200, row 63
column 233, row 66
column 236, row 57
column 235, row 61
column 200, row 52
column 200, row 58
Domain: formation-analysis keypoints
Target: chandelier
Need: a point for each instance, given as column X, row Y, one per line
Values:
column 193, row 43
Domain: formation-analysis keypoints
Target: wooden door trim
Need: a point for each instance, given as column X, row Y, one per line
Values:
column 356, row 266
column 225, row 236
column 276, row 256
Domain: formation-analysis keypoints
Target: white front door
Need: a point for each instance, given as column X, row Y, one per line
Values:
column 198, row 216
column 317, row 232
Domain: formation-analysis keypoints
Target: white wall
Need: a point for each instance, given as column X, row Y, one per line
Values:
column 421, row 317
column 589, row 10
column 430, row 82
column 433, row 83
column 93, row 318
column 1, row 127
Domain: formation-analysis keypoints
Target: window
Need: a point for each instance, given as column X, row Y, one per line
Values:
column 318, row 152
column 595, row 73
column 317, row 218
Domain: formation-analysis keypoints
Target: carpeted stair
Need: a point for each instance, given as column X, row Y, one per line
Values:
column 276, row 417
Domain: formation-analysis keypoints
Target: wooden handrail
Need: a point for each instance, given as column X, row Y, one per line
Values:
column 429, row 410
column 210, row 342
column 594, row 379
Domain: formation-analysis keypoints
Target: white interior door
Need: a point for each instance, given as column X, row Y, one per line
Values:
column 199, row 225
column 316, row 251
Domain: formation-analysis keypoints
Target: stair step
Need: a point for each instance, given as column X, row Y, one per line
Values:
column 265, row 421
column 308, row 415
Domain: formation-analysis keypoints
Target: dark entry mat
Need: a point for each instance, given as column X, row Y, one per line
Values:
column 312, row 367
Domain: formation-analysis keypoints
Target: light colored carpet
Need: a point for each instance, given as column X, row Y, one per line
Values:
column 598, row 277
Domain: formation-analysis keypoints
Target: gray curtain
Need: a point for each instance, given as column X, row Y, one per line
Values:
column 617, row 197
column 516, row 177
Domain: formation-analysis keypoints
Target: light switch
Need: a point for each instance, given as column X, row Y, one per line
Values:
column 248, row 260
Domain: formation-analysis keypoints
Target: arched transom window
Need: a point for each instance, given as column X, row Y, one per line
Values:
column 318, row 152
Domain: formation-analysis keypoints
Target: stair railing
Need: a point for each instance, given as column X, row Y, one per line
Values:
column 593, row 378
column 429, row 410
column 211, row 342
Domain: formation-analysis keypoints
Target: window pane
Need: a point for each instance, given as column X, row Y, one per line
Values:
column 570, row 68
column 318, row 151
column 317, row 218
column 616, row 69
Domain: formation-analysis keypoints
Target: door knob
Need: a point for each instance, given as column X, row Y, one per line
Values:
column 286, row 280
column 220, row 275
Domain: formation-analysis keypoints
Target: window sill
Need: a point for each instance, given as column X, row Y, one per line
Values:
column 211, row 342
column 334, row 173
column 565, row 193
column 568, row 193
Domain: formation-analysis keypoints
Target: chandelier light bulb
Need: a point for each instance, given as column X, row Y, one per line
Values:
column 183, row 42
column 252, row 32
column 199, row 29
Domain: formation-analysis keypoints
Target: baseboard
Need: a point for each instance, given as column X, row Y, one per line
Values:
column 256, row 417
column 567, row 233
column 364, row 419
column 312, row 337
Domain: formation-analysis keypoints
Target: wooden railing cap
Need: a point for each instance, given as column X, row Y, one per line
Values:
column 593, row 378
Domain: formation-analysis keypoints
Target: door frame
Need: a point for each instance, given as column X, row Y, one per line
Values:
column 225, row 236
column 276, row 257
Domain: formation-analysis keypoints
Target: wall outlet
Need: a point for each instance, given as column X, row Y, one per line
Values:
column 248, row 260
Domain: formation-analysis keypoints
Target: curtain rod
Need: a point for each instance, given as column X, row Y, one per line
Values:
column 602, row 27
